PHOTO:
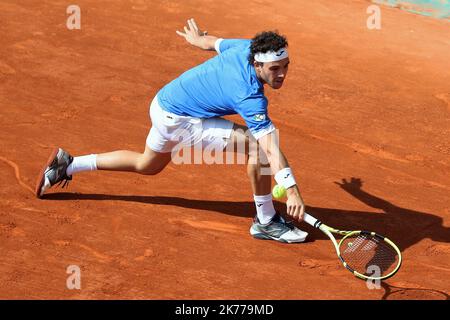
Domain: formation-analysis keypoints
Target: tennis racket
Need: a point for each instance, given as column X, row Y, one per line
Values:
column 365, row 254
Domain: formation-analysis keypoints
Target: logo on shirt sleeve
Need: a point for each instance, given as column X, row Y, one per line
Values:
column 259, row 117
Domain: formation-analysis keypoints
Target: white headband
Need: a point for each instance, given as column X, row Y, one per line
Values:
column 272, row 56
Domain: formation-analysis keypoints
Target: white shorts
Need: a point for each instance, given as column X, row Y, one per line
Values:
column 169, row 130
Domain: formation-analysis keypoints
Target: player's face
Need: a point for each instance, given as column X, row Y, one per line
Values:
column 273, row 73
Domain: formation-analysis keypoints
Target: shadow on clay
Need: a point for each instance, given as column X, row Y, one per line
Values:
column 404, row 226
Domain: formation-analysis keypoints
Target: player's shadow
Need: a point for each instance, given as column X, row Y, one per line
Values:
column 404, row 226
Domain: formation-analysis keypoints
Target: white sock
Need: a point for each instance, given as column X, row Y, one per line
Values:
column 264, row 208
column 83, row 163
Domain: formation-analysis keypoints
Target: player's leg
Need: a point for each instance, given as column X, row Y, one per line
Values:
column 150, row 162
column 268, row 223
column 258, row 168
column 156, row 156
column 61, row 165
column 258, row 171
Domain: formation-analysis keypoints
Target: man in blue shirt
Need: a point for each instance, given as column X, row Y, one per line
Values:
column 188, row 112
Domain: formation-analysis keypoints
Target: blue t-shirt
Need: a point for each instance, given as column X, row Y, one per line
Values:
column 224, row 85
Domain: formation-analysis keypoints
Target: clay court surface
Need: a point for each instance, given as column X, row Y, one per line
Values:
column 368, row 106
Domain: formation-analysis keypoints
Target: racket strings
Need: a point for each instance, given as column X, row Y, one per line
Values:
column 369, row 255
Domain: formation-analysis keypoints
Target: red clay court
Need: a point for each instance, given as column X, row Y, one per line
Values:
column 368, row 106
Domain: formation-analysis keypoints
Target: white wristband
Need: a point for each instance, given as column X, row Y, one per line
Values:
column 217, row 45
column 285, row 178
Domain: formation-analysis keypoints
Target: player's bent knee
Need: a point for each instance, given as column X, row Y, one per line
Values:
column 252, row 169
column 152, row 165
column 240, row 138
column 149, row 170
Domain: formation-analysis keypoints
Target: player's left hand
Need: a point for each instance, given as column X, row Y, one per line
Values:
column 192, row 33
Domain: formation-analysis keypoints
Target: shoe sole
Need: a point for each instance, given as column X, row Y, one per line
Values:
column 261, row 236
column 41, row 177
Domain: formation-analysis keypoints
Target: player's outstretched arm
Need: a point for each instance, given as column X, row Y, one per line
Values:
column 283, row 175
column 196, row 37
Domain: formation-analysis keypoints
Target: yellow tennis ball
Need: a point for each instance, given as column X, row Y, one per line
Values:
column 279, row 192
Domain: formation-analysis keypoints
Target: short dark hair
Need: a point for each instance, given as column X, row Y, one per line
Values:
column 266, row 41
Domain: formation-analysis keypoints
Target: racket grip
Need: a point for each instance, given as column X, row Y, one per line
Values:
column 310, row 220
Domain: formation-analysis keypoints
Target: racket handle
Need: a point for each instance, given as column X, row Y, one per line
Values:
column 311, row 220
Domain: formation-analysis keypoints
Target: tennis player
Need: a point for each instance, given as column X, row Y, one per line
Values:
column 192, row 106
